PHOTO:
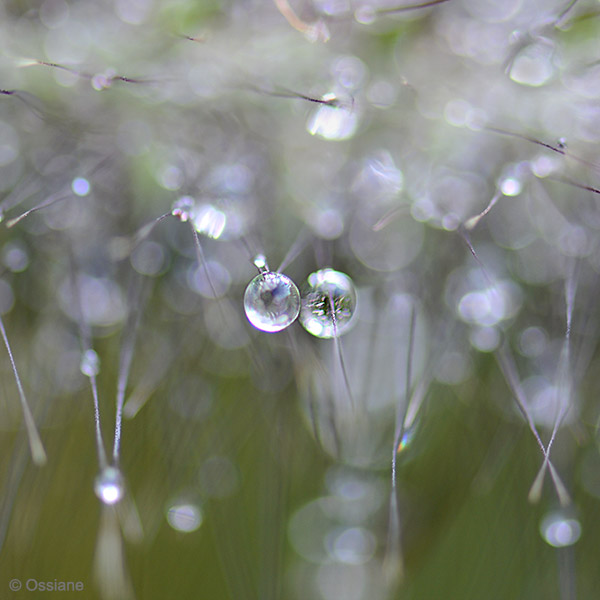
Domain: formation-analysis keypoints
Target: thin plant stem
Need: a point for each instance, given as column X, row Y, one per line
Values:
column 35, row 443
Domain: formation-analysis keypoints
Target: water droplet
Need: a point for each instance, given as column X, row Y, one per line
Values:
column 534, row 64
column 182, row 208
column 334, row 120
column 560, row 530
column 209, row 221
column 90, row 363
column 271, row 301
column 80, row 186
column 260, row 262
column 326, row 289
column 184, row 517
column 109, row 485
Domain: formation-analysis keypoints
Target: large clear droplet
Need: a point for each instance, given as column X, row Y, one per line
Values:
column 271, row 301
column 109, row 485
column 559, row 529
column 328, row 303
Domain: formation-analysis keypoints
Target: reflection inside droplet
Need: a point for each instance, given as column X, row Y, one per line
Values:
column 209, row 220
column 80, row 186
column 182, row 208
column 510, row 186
column 533, row 65
column 352, row 546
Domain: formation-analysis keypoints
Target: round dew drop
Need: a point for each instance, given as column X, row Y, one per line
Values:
column 271, row 301
column 328, row 303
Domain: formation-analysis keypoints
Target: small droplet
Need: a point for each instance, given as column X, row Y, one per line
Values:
column 90, row 363
column 260, row 262
column 109, row 485
column 102, row 81
column 183, row 207
column 80, row 186
column 560, row 530
column 184, row 517
column 510, row 186
column 326, row 289
column 271, row 301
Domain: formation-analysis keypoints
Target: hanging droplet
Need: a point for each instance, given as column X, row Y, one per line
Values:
column 109, row 485
column 271, row 301
column 328, row 303
column 90, row 363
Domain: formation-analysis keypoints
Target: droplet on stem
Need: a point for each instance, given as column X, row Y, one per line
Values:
column 109, row 485
column 559, row 529
column 90, row 363
column 271, row 301
column 328, row 303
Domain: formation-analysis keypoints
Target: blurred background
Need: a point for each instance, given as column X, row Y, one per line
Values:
column 444, row 157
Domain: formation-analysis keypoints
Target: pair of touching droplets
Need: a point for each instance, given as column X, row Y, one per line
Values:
column 325, row 307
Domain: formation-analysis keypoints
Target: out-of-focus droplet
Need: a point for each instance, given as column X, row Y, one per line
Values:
column 80, row 186
column 218, row 477
column 328, row 303
column 103, row 81
column 90, row 363
column 533, row 65
column 182, row 208
column 211, row 279
column 271, row 301
column 15, row 257
column 109, row 485
column 559, row 529
column 334, row 121
column 184, row 517
column 510, row 186
column 209, row 221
